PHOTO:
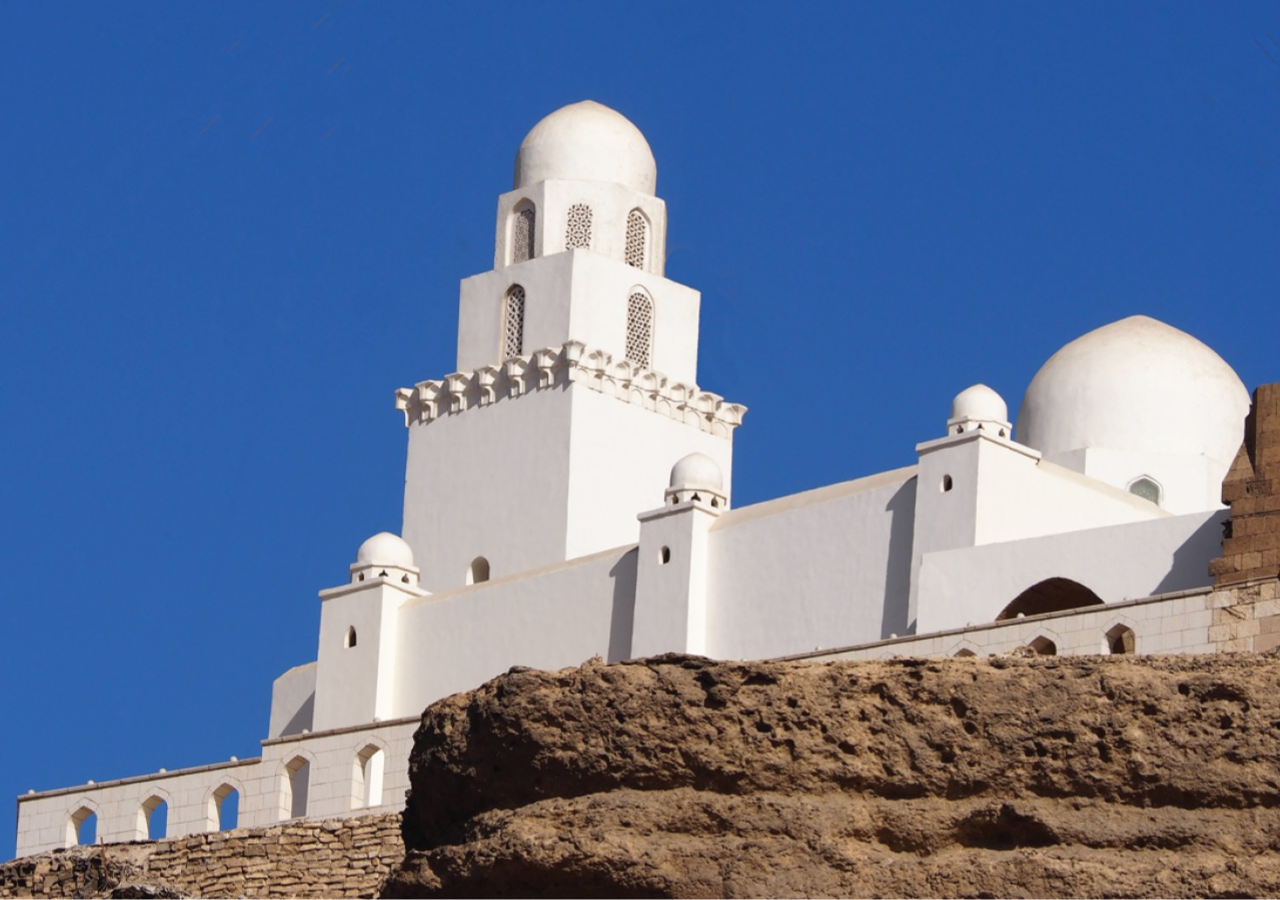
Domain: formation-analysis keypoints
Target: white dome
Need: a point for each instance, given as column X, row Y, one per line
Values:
column 385, row 549
column 587, row 142
column 1135, row 385
column 979, row 402
column 697, row 470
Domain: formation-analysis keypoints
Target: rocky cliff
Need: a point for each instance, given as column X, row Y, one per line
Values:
column 678, row 776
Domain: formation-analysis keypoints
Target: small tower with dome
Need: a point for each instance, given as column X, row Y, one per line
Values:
column 354, row 675
column 577, row 374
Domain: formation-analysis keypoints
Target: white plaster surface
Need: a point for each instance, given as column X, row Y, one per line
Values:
column 1118, row 562
column 822, row 568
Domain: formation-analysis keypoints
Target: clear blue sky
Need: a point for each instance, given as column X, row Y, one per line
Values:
column 228, row 231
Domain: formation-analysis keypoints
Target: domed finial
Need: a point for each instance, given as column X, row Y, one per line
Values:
column 697, row 477
column 385, row 555
column 586, row 141
column 979, row 408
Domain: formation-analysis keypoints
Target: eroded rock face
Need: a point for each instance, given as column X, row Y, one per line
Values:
column 678, row 776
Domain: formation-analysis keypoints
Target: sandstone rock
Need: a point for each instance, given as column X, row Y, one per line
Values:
column 678, row 776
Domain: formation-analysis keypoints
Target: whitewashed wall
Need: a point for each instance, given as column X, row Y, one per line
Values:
column 44, row 817
column 557, row 616
column 817, row 569
column 1119, row 562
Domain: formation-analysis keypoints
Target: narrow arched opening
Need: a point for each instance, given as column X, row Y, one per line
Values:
column 82, row 827
column 523, row 221
column 295, row 781
column 366, row 777
column 513, row 322
column 637, row 248
column 223, row 809
column 639, row 347
column 153, row 819
column 478, row 571
column 349, row 640
column 1050, row 595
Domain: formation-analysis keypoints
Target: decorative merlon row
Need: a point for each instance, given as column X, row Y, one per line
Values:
column 573, row 363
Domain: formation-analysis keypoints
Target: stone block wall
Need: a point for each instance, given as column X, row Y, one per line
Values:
column 349, row 857
column 1251, row 545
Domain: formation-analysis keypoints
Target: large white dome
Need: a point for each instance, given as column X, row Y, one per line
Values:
column 1135, row 385
column 587, row 141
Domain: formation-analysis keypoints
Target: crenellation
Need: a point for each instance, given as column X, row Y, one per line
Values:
column 573, row 363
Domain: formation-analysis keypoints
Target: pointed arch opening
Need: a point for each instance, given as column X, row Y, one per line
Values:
column 524, row 220
column 1050, row 595
column 637, row 246
column 1147, row 488
column 222, row 811
column 366, row 777
column 1121, row 639
column 639, row 347
column 349, row 640
column 82, row 827
column 1044, row 646
column 153, row 819
column 295, row 781
column 513, row 322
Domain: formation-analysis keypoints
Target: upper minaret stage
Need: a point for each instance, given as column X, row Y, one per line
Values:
column 576, row 384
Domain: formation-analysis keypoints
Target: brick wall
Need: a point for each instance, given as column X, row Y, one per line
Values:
column 1251, row 546
column 347, row 857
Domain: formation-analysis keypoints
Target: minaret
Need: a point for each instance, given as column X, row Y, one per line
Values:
column 576, row 388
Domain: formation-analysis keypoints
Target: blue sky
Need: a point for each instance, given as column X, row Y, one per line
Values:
column 229, row 231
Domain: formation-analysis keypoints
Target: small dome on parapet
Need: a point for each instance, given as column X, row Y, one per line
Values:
column 979, row 402
column 385, row 549
column 587, row 141
column 697, row 470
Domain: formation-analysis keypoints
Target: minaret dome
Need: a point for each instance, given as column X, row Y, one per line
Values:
column 586, row 141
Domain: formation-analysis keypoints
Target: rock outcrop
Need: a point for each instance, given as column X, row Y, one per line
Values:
column 678, row 776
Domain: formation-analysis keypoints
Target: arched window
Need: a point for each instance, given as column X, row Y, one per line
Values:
column 294, row 782
column 366, row 777
column 82, row 827
column 1146, row 488
column 639, row 329
column 1044, row 646
column 513, row 322
column 153, row 819
column 350, row 640
column 1050, row 595
column 1121, row 639
column 577, row 231
column 637, row 239
column 523, row 221
column 223, row 810
column 478, row 571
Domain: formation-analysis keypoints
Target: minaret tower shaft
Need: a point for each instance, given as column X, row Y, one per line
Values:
column 576, row 388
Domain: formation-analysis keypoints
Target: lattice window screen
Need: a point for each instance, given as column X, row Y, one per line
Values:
column 636, row 238
column 577, row 234
column 513, row 323
column 522, row 235
column 639, row 329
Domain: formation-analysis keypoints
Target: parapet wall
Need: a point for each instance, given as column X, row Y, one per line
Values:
column 348, row 857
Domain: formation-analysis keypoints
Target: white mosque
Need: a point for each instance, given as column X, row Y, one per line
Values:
column 568, row 495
